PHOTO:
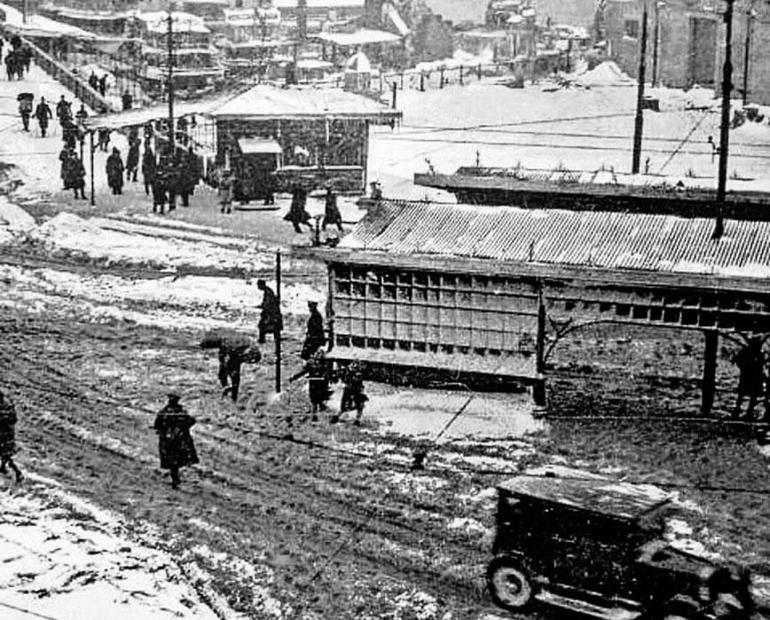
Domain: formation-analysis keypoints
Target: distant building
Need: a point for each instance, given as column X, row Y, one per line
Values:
column 691, row 42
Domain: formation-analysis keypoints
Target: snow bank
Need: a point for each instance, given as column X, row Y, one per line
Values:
column 71, row 234
column 56, row 566
column 605, row 74
column 14, row 221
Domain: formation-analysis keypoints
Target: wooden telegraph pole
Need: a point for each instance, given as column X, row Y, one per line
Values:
column 639, row 122
column 724, row 129
column 747, row 52
column 277, row 333
column 170, row 36
column 656, row 43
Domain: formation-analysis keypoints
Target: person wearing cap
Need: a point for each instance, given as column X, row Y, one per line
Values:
column 270, row 320
column 175, row 444
column 318, row 371
column 315, row 337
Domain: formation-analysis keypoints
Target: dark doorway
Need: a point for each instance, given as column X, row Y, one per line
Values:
column 703, row 49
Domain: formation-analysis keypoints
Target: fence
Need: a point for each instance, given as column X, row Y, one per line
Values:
column 78, row 86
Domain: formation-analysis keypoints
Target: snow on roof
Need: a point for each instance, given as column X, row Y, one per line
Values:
column 358, row 62
column 266, row 101
column 587, row 239
column 142, row 116
column 359, row 37
column 459, row 11
column 259, row 145
column 157, row 21
column 37, row 25
column 319, row 4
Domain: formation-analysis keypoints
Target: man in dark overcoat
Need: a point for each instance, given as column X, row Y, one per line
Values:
column 75, row 174
column 297, row 213
column 175, row 444
column 315, row 337
column 332, row 215
column 353, row 396
column 115, row 171
column 43, row 114
column 318, row 371
column 8, row 437
column 132, row 160
column 751, row 380
column 270, row 320
column 148, row 168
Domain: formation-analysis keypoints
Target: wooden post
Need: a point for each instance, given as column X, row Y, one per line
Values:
column 441, row 78
column 724, row 130
column 91, row 144
column 422, row 82
column 709, row 372
column 394, row 89
column 747, row 54
column 639, row 121
column 538, row 391
column 461, row 75
column 277, row 333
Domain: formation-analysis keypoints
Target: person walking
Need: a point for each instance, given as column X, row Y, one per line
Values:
column 104, row 139
column 751, row 380
column 127, row 101
column 315, row 337
column 318, row 372
column 75, row 175
column 8, row 419
column 353, row 396
column 132, row 160
column 25, row 109
column 43, row 114
column 81, row 116
column 93, row 81
column 115, row 172
column 297, row 214
column 63, row 111
column 332, row 215
column 148, row 168
column 270, row 319
column 64, row 155
column 159, row 191
column 103, row 85
column 10, row 65
column 234, row 350
column 175, row 444
column 225, row 191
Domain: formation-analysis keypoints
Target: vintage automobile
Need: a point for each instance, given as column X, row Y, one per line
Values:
column 595, row 548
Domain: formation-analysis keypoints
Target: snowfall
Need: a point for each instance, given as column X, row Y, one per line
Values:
column 65, row 559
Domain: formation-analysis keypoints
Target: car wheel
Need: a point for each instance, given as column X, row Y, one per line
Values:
column 509, row 584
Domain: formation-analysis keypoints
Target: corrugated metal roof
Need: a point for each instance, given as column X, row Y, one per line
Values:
column 644, row 242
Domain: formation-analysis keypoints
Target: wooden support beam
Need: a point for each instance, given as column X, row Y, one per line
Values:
column 708, row 385
column 538, row 390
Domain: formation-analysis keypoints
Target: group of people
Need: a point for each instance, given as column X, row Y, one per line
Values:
column 298, row 212
column 99, row 84
column 18, row 59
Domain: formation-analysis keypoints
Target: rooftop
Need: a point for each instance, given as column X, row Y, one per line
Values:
column 617, row 499
column 559, row 238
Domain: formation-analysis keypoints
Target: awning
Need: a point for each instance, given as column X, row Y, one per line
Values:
column 261, row 146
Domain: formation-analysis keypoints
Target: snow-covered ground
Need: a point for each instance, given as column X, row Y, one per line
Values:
column 65, row 559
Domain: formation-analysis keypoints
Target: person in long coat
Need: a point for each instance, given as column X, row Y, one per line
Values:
column 159, row 191
column 225, row 192
column 132, row 160
column 234, row 351
column 175, row 444
column 8, row 421
column 115, row 171
column 332, row 215
column 297, row 214
column 353, row 396
column 64, row 155
column 751, row 380
column 315, row 337
column 270, row 320
column 75, row 175
column 148, row 168
column 43, row 114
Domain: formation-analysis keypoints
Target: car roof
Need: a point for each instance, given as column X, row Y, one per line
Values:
column 606, row 497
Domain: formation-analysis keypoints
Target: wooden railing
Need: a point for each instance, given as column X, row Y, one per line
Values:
column 74, row 83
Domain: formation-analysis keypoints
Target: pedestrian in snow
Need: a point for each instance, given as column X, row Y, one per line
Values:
column 159, row 191
column 104, row 139
column 81, row 115
column 297, row 214
column 63, row 111
column 132, row 160
column 318, row 373
column 148, row 168
column 353, row 396
column 315, row 337
column 8, row 420
column 190, row 174
column 103, row 85
column 93, row 81
column 10, row 65
column 234, row 350
column 270, row 320
column 69, row 132
column 43, row 114
column 75, row 174
column 225, row 191
column 332, row 215
column 751, row 380
column 127, row 100
column 64, row 155
column 175, row 444
column 25, row 110
column 26, row 56
column 115, row 172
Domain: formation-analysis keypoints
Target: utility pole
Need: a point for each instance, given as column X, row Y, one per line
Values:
column 724, row 129
column 747, row 52
column 170, row 36
column 24, row 10
column 639, row 122
column 655, row 44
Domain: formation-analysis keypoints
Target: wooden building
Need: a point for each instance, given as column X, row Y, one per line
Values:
column 323, row 133
column 493, row 290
